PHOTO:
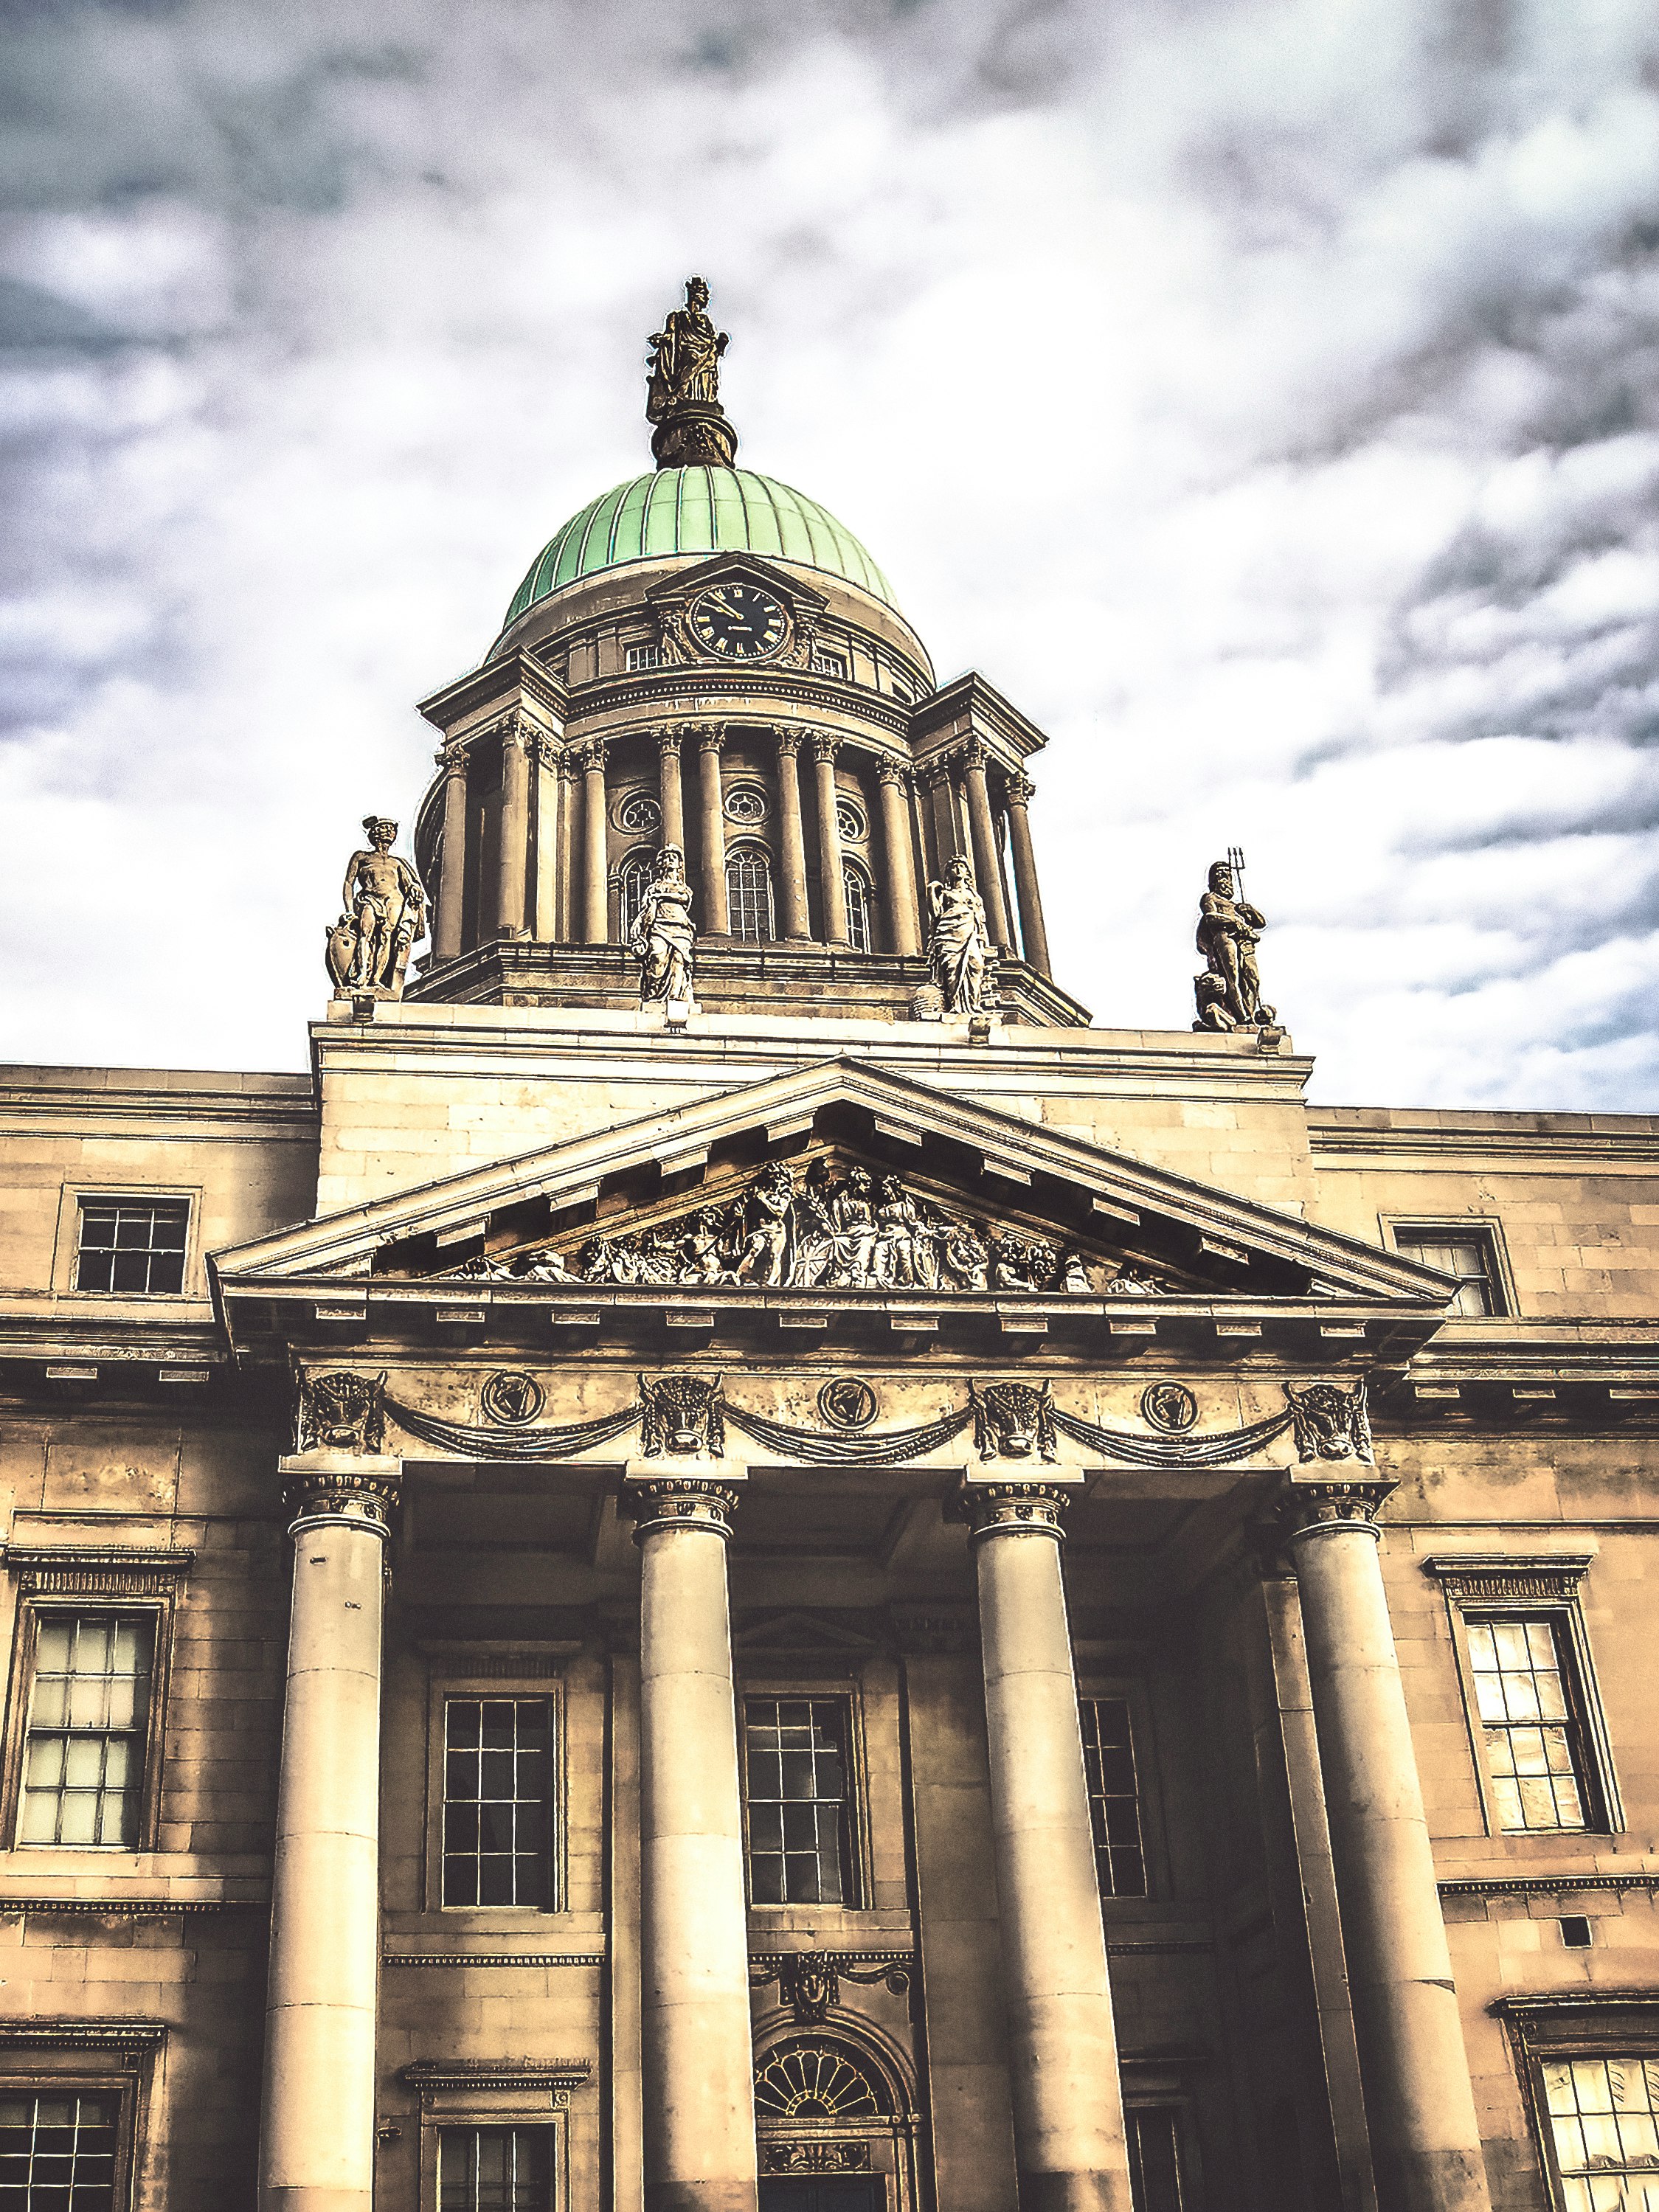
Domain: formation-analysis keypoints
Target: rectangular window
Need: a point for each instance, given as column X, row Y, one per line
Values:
column 1604, row 2128
column 1108, row 1760
column 498, row 1802
column 800, row 1836
column 643, row 656
column 1457, row 1248
column 1155, row 2176
column 132, row 1247
column 57, row 2151
column 88, row 1725
column 494, row 2169
column 1530, row 1732
column 831, row 663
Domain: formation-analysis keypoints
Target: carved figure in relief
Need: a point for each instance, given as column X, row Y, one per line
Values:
column 384, row 916
column 665, row 938
column 340, row 1412
column 683, row 1414
column 685, row 358
column 1013, row 1419
column 1330, row 1422
column 765, row 1254
column 1229, row 932
column 959, row 950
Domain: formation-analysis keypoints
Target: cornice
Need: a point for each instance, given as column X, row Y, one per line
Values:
column 739, row 695
column 517, row 671
column 1488, row 1140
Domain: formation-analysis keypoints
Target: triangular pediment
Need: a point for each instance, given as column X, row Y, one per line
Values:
column 741, row 568
column 838, row 1179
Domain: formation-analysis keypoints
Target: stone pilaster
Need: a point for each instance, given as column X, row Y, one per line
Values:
column 1426, row 2137
column 317, row 2139
column 697, row 2048
column 1069, row 2136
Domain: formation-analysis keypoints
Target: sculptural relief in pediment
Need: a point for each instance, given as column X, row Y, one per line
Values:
column 829, row 1223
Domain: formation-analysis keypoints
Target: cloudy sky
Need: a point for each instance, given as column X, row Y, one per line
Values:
column 1261, row 395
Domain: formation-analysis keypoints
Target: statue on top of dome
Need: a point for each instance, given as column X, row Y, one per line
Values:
column 683, row 398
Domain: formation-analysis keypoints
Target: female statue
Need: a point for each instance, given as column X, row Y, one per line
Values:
column 959, row 947
column 664, row 939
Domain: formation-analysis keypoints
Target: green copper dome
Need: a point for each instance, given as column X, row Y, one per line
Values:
column 697, row 510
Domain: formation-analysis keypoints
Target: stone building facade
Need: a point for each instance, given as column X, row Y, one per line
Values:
column 810, row 1595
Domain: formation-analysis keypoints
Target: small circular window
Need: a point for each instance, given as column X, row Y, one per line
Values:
column 745, row 804
column 850, row 821
column 639, row 810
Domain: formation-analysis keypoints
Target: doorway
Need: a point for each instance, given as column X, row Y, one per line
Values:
column 841, row 2192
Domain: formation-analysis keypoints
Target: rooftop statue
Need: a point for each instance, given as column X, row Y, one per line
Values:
column 1229, row 990
column 683, row 398
column 959, row 950
column 383, row 916
column 665, row 940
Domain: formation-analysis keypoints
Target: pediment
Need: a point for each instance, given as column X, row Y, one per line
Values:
column 743, row 567
column 838, row 1180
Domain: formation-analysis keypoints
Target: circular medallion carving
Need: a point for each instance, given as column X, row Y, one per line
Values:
column 638, row 810
column 1169, row 1406
column 512, row 1398
column 847, row 1403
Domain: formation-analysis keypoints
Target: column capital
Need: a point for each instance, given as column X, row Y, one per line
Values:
column 936, row 774
column 451, row 759
column 889, row 770
column 694, row 1499
column 515, row 733
column 1015, row 1509
column 1018, row 789
column 593, row 755
column 352, row 1490
column 789, row 743
column 710, row 736
column 825, row 747
column 1329, row 1506
column 972, row 757
column 668, row 742
column 544, row 752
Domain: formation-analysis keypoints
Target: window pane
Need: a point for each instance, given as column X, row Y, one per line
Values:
column 1155, row 2177
column 1603, row 2120
column 1461, row 1253
column 83, row 1761
column 860, row 921
column 1109, row 1763
column 57, row 2152
column 749, row 896
column 1519, row 1682
column 799, row 1809
column 135, row 1246
column 494, row 2170
column 497, row 1812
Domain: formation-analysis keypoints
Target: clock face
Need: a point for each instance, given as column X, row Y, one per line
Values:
column 737, row 622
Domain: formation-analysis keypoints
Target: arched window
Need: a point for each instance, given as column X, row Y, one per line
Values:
column 861, row 914
column 635, row 875
column 748, row 894
column 808, row 2078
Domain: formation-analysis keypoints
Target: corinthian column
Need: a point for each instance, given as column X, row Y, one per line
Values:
column 988, row 873
column 671, row 791
column 511, row 872
column 1019, row 792
column 1426, row 2137
column 717, row 921
column 832, row 881
column 1069, row 2140
column 792, row 845
column 903, row 921
column 697, row 2052
column 545, row 914
column 451, row 868
column 596, row 884
column 317, row 2139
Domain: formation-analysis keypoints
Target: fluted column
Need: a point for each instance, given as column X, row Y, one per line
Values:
column 792, row 843
column 1069, row 2140
column 711, row 742
column 671, row 791
column 1019, row 792
column 513, row 863
column 596, row 886
column 832, row 880
column 899, row 877
column 697, row 2054
column 544, row 914
column 986, row 873
column 317, row 2137
column 1424, row 2132
column 452, row 871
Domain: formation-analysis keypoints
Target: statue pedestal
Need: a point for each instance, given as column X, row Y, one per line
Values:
column 697, row 435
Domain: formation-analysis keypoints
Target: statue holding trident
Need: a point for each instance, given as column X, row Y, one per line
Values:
column 959, row 944
column 1228, row 992
column 384, row 913
column 683, row 398
column 665, row 940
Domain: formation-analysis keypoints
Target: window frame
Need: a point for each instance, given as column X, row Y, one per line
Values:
column 512, row 2092
column 1565, row 2025
column 1460, row 1229
column 1485, row 1586
column 751, row 850
column 1095, row 1683
column 66, row 1266
column 51, row 1580
column 520, row 1682
column 857, row 1875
